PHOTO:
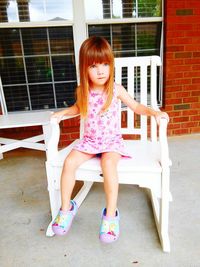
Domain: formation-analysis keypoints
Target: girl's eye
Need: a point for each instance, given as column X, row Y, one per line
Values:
column 106, row 64
column 92, row 66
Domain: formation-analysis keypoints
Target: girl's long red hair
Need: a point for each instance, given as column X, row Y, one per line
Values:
column 94, row 50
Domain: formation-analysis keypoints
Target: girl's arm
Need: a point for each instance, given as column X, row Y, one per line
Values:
column 137, row 107
column 73, row 110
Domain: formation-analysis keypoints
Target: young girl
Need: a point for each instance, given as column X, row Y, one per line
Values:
column 97, row 102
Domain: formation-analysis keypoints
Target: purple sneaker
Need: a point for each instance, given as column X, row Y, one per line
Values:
column 109, row 230
column 63, row 220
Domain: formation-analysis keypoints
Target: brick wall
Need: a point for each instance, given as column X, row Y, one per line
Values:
column 182, row 66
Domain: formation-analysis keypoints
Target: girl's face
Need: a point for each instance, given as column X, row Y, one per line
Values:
column 98, row 74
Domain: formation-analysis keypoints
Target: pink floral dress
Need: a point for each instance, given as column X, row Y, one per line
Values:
column 102, row 129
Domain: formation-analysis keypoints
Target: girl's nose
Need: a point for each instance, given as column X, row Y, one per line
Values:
column 99, row 70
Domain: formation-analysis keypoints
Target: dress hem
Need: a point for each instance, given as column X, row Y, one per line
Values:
column 125, row 155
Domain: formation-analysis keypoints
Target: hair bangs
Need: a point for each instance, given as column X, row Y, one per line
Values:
column 99, row 55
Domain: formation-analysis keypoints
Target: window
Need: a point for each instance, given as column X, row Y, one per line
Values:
column 37, row 67
column 40, row 40
column 133, row 28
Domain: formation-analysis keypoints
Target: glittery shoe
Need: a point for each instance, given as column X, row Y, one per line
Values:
column 63, row 220
column 109, row 230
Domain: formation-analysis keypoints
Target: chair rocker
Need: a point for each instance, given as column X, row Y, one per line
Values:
column 149, row 166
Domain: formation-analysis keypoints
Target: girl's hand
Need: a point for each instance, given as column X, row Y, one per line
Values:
column 58, row 115
column 160, row 115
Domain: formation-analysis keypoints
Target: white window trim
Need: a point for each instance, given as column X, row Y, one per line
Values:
column 79, row 29
column 36, row 24
column 124, row 20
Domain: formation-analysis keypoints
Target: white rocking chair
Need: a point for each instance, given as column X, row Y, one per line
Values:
column 149, row 166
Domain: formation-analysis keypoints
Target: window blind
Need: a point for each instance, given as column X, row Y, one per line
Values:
column 41, row 62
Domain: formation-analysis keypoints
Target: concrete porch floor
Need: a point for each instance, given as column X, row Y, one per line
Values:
column 24, row 207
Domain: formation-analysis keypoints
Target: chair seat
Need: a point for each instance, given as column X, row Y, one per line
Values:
column 144, row 158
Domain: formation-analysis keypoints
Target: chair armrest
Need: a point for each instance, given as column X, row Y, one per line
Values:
column 165, row 161
column 52, row 145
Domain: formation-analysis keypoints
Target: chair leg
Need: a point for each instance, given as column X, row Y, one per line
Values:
column 164, row 219
column 49, row 231
column 1, row 154
column 164, row 215
column 81, row 195
column 55, row 203
column 161, row 215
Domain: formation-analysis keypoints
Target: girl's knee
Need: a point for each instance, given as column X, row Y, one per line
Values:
column 108, row 161
column 70, row 163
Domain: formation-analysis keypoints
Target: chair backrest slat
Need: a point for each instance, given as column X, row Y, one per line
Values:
column 138, row 77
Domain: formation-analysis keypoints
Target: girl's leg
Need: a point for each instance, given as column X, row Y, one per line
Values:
column 109, row 161
column 72, row 162
column 66, row 214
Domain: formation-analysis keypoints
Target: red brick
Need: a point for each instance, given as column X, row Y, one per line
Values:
column 197, row 54
column 175, row 4
column 173, row 62
column 191, row 74
column 191, row 87
column 195, row 130
column 181, row 68
column 66, row 123
column 196, row 93
column 180, row 27
column 182, row 21
column 174, row 114
column 190, row 99
column 182, row 94
column 173, row 101
column 192, row 61
column 175, row 48
column 180, row 119
column 192, row 33
column 173, row 126
column 180, row 131
column 75, row 136
column 196, row 67
column 189, row 124
column 183, row 54
column 173, row 35
column 196, row 80
column 195, row 105
column 189, row 112
column 174, row 75
column 169, row 55
column 183, row 41
column 168, row 108
column 64, row 143
column 180, row 81
column 195, row 118
column 65, row 136
column 192, row 47
column 175, row 88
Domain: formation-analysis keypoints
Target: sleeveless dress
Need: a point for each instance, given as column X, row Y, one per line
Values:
column 102, row 129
